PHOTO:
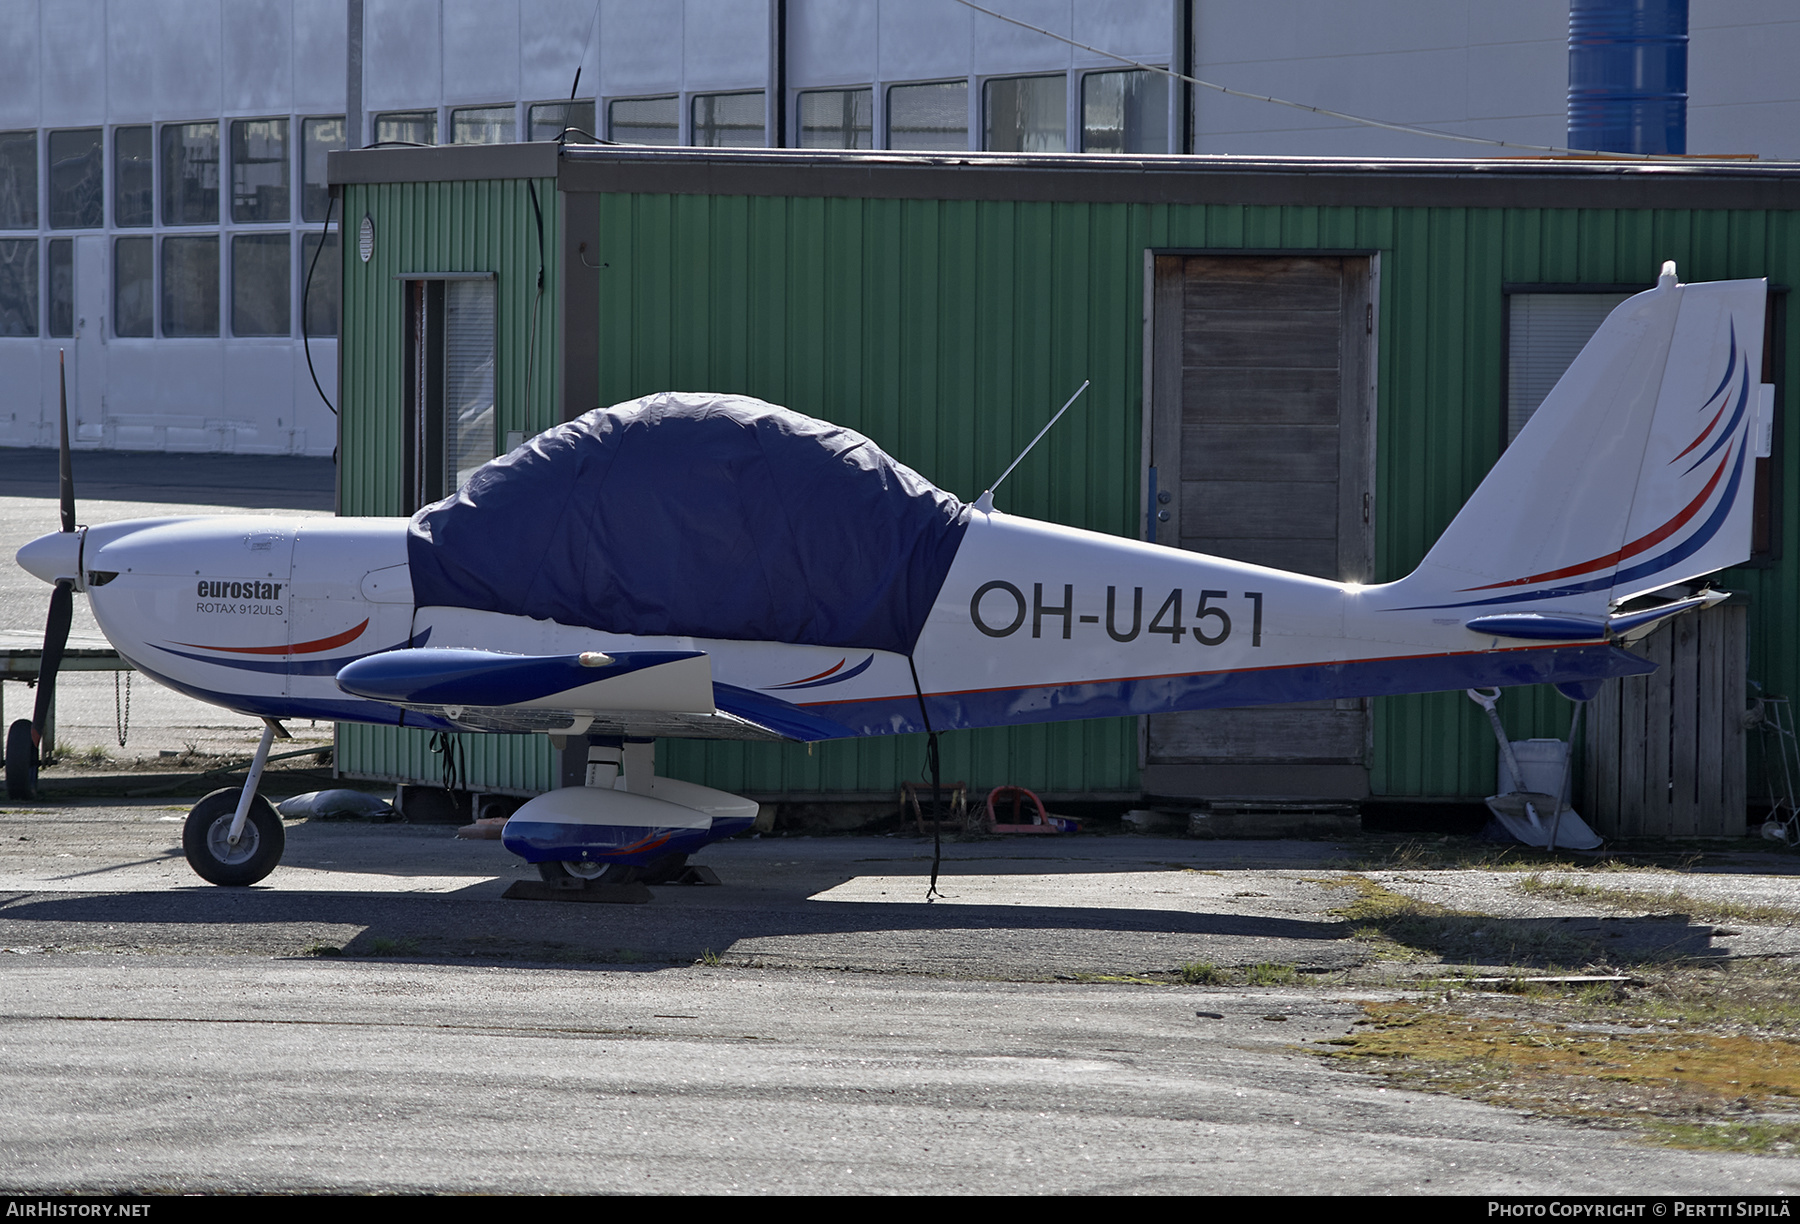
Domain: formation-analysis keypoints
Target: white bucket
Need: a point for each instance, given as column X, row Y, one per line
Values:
column 1541, row 761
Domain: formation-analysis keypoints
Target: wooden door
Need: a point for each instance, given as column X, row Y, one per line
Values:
column 1261, row 426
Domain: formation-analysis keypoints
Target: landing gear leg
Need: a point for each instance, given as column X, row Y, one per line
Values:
column 252, row 782
column 234, row 837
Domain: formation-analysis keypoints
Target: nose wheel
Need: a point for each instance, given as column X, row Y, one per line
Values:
column 206, row 839
column 21, row 761
column 234, row 836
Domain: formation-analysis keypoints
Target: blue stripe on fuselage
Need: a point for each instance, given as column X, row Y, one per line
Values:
column 1214, row 690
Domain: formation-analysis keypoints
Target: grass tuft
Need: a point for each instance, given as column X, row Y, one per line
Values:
column 1267, row 973
column 1203, row 973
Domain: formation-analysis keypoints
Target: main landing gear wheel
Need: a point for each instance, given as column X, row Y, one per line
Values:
column 214, row 858
column 21, row 761
column 665, row 870
column 571, row 874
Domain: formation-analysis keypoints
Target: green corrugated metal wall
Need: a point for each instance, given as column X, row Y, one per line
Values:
column 949, row 330
column 440, row 227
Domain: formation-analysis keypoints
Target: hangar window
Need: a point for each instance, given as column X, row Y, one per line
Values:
column 77, row 180
column 644, row 121
column 318, row 138
column 483, row 125
column 1125, row 112
column 190, row 175
column 548, row 119
column 19, row 287
column 1544, row 333
column 1026, row 114
column 133, row 195
column 934, row 116
column 190, row 286
column 259, row 285
column 18, row 180
column 450, row 357
column 259, row 170
column 729, row 121
column 326, row 290
column 837, row 119
column 406, row 127
column 134, row 287
column 59, row 286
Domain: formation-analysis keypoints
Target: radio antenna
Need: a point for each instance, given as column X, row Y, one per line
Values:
column 985, row 503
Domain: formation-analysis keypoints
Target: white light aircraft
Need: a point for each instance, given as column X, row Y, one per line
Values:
column 716, row 567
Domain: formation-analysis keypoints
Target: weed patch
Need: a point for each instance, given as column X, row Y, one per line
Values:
column 1645, row 901
column 1399, row 927
column 1694, row 1058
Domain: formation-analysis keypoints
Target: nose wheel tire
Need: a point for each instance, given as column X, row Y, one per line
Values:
column 21, row 761
column 214, row 858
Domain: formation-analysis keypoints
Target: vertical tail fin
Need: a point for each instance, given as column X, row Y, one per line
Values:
column 1634, row 473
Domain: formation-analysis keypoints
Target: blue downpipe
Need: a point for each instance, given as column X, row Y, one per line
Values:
column 1628, row 75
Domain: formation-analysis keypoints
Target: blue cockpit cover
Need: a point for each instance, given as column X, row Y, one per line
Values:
column 710, row 516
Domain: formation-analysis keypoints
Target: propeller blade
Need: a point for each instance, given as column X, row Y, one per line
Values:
column 56, row 636
column 65, row 475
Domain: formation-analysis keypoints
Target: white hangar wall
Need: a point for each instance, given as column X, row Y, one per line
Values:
column 1469, row 67
column 182, row 325
column 136, row 67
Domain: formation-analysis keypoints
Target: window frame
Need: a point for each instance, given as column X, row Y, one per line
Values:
column 424, row 381
column 1079, row 105
column 680, row 118
column 796, row 106
column 693, row 124
column 112, row 200
column 48, row 221
column 885, row 120
column 287, row 163
column 220, row 190
column 568, row 104
column 37, row 198
column 511, row 108
column 1001, row 78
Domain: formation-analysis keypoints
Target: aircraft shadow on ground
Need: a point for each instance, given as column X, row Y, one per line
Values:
column 461, row 926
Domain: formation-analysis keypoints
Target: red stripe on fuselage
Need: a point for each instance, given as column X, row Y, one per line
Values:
column 809, row 679
column 330, row 643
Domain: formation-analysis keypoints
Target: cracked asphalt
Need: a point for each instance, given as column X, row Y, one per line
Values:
column 376, row 1017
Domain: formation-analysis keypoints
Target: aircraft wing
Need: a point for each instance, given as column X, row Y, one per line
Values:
column 641, row 693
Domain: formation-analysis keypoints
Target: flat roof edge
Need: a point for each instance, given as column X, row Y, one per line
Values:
column 441, row 163
column 1351, row 182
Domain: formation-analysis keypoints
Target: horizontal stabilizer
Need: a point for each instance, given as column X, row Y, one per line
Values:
column 1633, row 625
column 1540, row 626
